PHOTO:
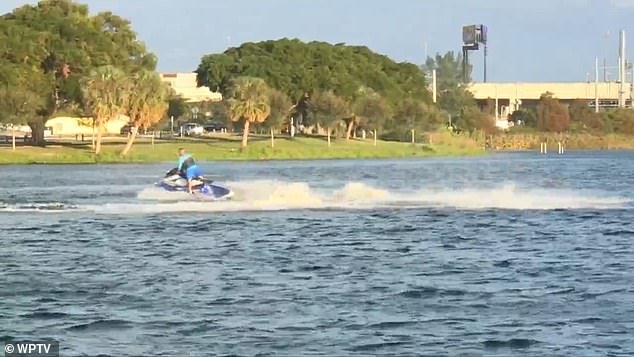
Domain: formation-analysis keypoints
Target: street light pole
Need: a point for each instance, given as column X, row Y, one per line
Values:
column 485, row 63
column 596, row 84
column 433, row 81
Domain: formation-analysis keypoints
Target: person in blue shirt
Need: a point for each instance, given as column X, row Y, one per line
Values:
column 188, row 168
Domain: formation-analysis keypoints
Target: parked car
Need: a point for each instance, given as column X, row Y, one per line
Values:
column 125, row 130
column 214, row 127
column 191, row 129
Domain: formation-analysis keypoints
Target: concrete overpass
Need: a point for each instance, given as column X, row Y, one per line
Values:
column 511, row 96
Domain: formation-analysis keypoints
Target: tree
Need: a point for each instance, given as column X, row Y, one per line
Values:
column 61, row 41
column 551, row 115
column 453, row 95
column 585, row 116
column 20, row 99
column 524, row 116
column 147, row 103
column 474, row 119
column 328, row 109
column 295, row 68
column 177, row 107
column 412, row 114
column 416, row 114
column 220, row 114
column 249, row 102
column 281, row 108
column 105, row 92
column 373, row 110
column 621, row 120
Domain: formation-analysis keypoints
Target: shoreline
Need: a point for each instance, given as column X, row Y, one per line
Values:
column 324, row 158
column 258, row 150
column 301, row 149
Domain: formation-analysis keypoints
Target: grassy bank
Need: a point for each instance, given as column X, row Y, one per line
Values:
column 571, row 141
column 227, row 148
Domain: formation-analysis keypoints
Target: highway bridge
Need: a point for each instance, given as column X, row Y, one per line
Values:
column 512, row 96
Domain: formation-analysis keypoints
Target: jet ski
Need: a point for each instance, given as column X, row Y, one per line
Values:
column 201, row 187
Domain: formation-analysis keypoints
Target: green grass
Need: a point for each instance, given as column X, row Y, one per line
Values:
column 228, row 148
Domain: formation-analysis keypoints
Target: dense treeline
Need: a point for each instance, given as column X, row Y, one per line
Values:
column 342, row 88
column 295, row 67
column 57, row 59
column 577, row 117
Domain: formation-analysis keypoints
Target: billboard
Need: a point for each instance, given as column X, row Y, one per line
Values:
column 472, row 35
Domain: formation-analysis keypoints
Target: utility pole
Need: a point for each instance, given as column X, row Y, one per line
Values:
column 632, row 85
column 622, row 69
column 596, row 84
column 433, row 83
column 485, row 63
column 426, row 56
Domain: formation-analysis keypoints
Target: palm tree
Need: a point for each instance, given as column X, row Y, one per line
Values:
column 250, row 102
column 104, row 95
column 146, row 104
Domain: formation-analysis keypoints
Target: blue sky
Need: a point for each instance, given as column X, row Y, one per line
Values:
column 536, row 40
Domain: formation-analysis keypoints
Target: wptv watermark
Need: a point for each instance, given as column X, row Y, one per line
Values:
column 45, row 348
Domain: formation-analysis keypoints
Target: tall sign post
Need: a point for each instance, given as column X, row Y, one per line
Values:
column 472, row 37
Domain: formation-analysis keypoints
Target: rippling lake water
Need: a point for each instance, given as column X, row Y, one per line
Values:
column 512, row 254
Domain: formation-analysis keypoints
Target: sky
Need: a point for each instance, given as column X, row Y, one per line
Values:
column 531, row 41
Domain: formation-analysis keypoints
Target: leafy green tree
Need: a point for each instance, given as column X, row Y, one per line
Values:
column 525, row 116
column 328, row 110
column 20, row 94
column 296, row 67
column 249, row 102
column 220, row 113
column 620, row 120
column 453, row 94
column 473, row 119
column 412, row 114
column 106, row 91
column 581, row 114
column 20, row 99
column 146, row 104
column 61, row 41
column 281, row 108
column 177, row 107
column 551, row 115
column 373, row 110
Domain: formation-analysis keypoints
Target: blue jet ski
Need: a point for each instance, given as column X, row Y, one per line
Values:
column 202, row 187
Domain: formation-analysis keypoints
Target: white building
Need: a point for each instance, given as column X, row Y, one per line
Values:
column 186, row 85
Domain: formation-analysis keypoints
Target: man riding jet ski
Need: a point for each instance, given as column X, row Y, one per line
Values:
column 187, row 177
column 187, row 168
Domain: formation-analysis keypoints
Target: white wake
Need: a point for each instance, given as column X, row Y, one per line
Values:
column 279, row 195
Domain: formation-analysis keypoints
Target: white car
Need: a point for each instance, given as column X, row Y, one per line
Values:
column 191, row 129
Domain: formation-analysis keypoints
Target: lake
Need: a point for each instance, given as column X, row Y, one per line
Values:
column 510, row 254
